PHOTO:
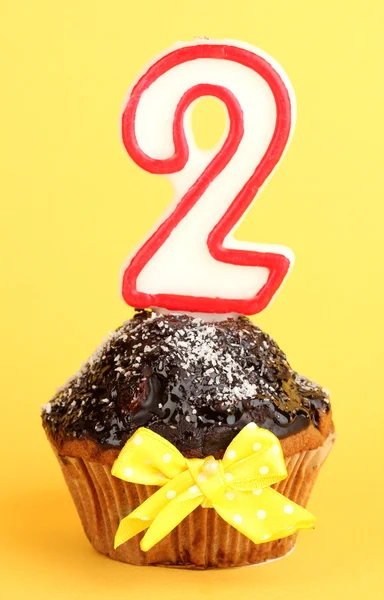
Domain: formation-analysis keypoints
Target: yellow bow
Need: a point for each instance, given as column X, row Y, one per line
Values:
column 237, row 487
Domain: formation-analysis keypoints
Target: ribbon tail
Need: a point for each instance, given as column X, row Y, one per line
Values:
column 169, row 518
column 264, row 517
column 128, row 528
column 147, row 513
column 140, row 518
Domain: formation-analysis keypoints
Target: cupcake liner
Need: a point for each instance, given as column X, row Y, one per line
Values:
column 203, row 540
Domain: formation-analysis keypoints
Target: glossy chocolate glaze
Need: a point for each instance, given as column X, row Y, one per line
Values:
column 195, row 383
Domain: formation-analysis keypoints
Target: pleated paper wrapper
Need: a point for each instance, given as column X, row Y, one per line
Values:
column 203, row 540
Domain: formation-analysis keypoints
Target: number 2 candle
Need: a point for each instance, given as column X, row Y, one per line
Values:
column 191, row 262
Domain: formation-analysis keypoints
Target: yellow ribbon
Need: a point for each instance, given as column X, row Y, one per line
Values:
column 237, row 487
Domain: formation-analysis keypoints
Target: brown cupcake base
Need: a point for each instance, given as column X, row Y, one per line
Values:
column 203, row 540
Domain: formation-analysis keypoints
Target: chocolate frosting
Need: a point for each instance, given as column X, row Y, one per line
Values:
column 196, row 383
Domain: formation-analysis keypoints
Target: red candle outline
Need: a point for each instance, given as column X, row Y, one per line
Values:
column 277, row 264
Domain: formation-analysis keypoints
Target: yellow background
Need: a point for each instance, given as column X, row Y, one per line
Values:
column 73, row 205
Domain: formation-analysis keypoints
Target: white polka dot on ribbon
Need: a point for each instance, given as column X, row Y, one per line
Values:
column 230, row 454
column 237, row 519
column 230, row 495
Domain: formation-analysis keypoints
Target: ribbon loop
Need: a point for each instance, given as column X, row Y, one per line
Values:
column 149, row 459
column 255, row 459
column 237, row 487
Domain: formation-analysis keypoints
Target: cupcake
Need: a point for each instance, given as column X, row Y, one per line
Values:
column 197, row 384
